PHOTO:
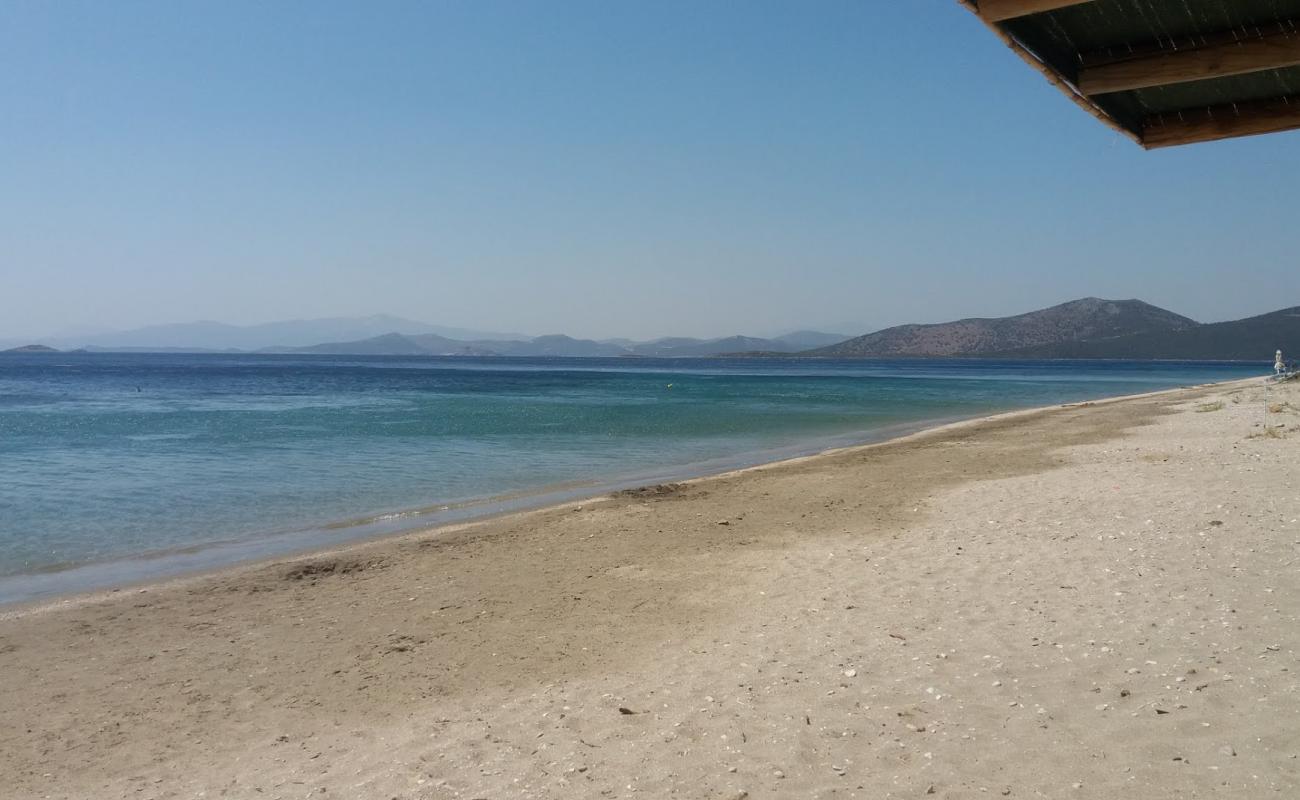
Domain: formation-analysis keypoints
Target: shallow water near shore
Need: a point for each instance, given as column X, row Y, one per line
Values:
column 116, row 468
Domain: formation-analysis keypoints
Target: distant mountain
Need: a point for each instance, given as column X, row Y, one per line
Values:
column 92, row 348
column 1080, row 320
column 806, row 340
column 30, row 348
column 661, row 348
column 397, row 344
column 443, row 346
column 682, row 347
column 391, row 344
column 1250, row 339
column 218, row 336
column 552, row 345
column 1087, row 328
column 384, row 334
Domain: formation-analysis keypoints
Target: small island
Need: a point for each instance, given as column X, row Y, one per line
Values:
column 31, row 348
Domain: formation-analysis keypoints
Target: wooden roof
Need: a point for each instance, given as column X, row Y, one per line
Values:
column 1163, row 72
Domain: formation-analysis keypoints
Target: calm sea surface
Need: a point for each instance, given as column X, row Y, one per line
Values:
column 120, row 467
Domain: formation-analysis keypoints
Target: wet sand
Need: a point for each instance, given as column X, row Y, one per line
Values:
column 1096, row 600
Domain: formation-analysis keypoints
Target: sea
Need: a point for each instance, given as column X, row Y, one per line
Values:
column 119, row 468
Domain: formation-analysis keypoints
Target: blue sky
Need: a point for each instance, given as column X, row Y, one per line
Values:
column 600, row 169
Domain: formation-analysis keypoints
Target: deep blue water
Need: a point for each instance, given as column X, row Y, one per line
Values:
column 105, row 457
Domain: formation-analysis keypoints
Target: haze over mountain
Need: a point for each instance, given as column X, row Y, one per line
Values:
column 207, row 335
column 1078, row 320
column 806, row 340
column 384, row 334
column 389, row 344
column 1087, row 328
column 559, row 345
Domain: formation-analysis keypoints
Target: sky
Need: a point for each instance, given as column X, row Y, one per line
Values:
column 594, row 168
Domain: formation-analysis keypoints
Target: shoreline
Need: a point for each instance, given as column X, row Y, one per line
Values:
column 476, row 511
column 1087, row 600
column 343, row 534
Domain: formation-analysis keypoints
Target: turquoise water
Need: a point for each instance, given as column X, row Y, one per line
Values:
column 140, row 465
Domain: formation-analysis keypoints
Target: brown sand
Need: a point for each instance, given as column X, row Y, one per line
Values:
column 1092, row 601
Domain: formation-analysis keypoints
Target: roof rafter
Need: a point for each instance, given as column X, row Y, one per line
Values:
column 1222, row 122
column 1215, row 60
column 1000, row 10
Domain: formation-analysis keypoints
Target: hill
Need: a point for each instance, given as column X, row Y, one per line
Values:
column 1079, row 320
column 31, row 348
column 1250, row 339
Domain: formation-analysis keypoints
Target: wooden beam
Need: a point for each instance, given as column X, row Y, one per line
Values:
column 999, row 10
column 1221, row 122
column 1213, row 61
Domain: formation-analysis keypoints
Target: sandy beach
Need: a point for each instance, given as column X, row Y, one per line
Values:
column 1089, row 601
